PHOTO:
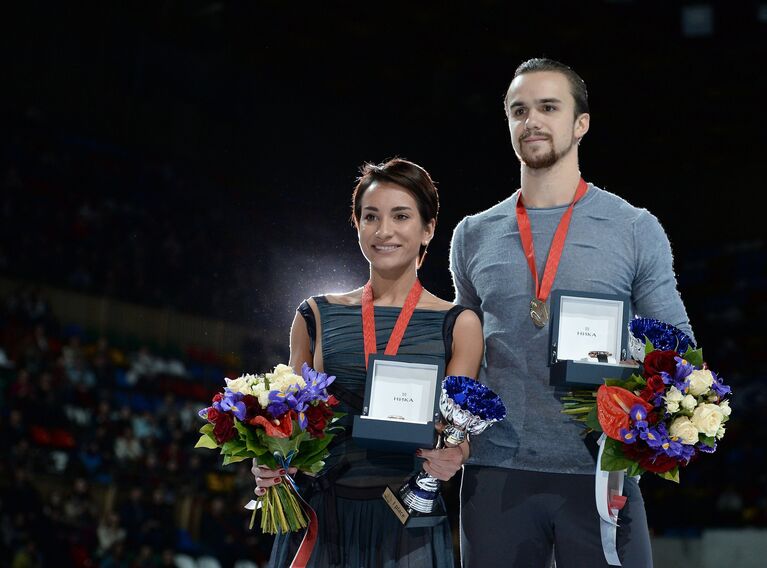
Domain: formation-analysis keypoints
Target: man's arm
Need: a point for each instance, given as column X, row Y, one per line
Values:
column 465, row 294
column 654, row 291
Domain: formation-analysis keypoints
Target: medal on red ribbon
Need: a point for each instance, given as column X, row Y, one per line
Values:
column 539, row 310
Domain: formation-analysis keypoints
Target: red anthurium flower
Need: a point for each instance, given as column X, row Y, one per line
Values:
column 281, row 427
column 613, row 406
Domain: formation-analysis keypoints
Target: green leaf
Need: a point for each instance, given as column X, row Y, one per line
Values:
column 206, row 441
column 316, row 467
column 312, row 451
column 710, row 441
column 648, row 346
column 233, row 459
column 252, row 442
column 592, row 421
column 232, row 446
column 694, row 357
column 672, row 475
column 207, row 429
column 634, row 469
column 613, row 458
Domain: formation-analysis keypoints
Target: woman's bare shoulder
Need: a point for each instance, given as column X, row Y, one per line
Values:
column 431, row 302
column 351, row 298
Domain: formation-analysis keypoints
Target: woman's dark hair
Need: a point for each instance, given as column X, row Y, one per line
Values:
column 409, row 176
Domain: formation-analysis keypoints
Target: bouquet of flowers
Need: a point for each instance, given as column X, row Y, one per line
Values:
column 661, row 419
column 281, row 419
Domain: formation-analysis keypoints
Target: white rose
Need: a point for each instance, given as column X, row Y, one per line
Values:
column 725, row 408
column 674, row 395
column 237, row 385
column 259, row 391
column 283, row 377
column 689, row 402
column 720, row 432
column 684, row 430
column 672, row 407
column 700, row 381
column 707, row 418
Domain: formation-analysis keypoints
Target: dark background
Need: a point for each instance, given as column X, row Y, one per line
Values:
column 200, row 155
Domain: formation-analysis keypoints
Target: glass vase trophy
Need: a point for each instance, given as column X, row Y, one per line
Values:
column 468, row 408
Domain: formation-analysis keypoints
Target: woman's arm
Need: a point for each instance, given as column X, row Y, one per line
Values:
column 300, row 344
column 468, row 348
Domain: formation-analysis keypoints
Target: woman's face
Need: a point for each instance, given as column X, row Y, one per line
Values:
column 390, row 229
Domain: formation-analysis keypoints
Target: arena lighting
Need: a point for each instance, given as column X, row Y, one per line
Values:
column 296, row 275
column 697, row 20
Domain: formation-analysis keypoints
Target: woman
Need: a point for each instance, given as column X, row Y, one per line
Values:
column 394, row 209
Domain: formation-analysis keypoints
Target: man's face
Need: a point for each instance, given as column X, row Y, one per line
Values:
column 542, row 122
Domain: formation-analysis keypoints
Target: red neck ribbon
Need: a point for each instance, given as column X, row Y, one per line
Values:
column 369, row 324
column 543, row 288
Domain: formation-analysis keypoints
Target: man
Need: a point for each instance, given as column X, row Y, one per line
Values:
column 528, row 488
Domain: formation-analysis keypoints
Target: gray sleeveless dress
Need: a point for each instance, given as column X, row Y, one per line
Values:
column 356, row 527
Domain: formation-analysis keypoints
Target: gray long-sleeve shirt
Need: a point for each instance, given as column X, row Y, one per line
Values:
column 611, row 247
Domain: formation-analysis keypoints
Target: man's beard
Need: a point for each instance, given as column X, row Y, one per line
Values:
column 543, row 161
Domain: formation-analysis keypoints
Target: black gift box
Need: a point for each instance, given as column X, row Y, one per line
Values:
column 401, row 403
column 584, row 323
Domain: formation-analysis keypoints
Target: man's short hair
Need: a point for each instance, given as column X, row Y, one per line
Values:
column 577, row 84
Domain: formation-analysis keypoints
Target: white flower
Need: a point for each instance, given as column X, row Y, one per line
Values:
column 283, row 378
column 700, row 381
column 689, row 402
column 672, row 407
column 720, row 432
column 259, row 390
column 239, row 384
column 707, row 418
column 724, row 406
column 685, row 430
column 674, row 395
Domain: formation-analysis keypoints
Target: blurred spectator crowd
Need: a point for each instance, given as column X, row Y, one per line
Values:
column 99, row 466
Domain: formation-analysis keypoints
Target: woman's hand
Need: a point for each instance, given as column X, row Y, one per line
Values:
column 266, row 477
column 444, row 463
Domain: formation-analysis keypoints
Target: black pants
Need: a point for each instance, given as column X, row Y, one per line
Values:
column 513, row 518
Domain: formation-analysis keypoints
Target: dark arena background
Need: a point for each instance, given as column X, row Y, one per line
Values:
column 175, row 178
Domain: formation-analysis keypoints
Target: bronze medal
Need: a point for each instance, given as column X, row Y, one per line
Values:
column 539, row 312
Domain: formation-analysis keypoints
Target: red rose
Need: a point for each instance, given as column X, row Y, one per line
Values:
column 647, row 461
column 213, row 415
column 218, row 397
column 656, row 383
column 224, row 428
column 657, row 361
column 646, row 394
column 654, row 386
column 317, row 418
column 252, row 407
